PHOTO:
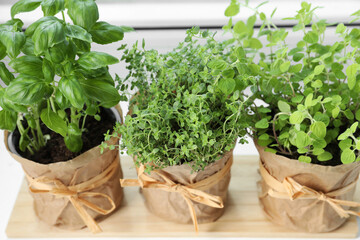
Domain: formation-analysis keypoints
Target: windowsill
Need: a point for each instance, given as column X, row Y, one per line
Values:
column 159, row 13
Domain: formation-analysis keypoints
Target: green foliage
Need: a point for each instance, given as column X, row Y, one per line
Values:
column 189, row 107
column 310, row 93
column 57, row 80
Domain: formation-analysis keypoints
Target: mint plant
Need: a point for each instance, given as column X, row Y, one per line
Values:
column 191, row 110
column 310, row 93
column 51, row 75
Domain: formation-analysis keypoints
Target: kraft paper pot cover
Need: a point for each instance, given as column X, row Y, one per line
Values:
column 306, row 215
column 57, row 210
column 173, row 207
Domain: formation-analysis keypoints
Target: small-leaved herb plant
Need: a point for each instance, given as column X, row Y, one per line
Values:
column 309, row 94
column 186, row 110
column 51, row 74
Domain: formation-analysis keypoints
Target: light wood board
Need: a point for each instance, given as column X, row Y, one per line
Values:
column 243, row 216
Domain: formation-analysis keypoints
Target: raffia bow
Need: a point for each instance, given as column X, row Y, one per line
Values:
column 192, row 192
column 292, row 190
column 77, row 193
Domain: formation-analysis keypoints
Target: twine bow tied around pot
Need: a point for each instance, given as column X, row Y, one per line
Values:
column 77, row 193
column 292, row 190
column 192, row 192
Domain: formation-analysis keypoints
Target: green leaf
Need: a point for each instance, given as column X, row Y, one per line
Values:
column 71, row 88
column 296, row 117
column 311, row 37
column 255, row 43
column 325, row 156
column 227, row 85
column 28, row 48
column 305, row 159
column 347, row 156
column 340, row 28
column 283, row 106
column 345, row 134
column 318, row 129
column 74, row 31
column 317, row 84
column 348, row 114
column 29, row 65
column 297, row 99
column 52, row 7
column 53, row 121
column 100, row 91
column 357, row 115
column 319, row 69
column 302, row 139
column 309, row 100
column 74, row 143
column 8, row 120
column 95, row 60
column 240, row 28
column 264, row 136
column 48, row 70
column 354, row 127
column 217, row 64
column 344, row 144
column 335, row 112
column 31, row 29
column 351, row 74
column 48, row 34
column 262, row 124
column 105, row 33
column 83, row 13
column 27, row 90
column 2, row 51
column 5, row 75
column 13, row 41
column 24, row 6
column 284, row 67
column 232, row 10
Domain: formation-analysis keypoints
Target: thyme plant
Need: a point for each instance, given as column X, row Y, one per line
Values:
column 191, row 110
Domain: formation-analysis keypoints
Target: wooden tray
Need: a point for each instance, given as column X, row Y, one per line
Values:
column 242, row 218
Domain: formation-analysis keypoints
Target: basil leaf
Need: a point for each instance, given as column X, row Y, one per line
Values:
column 24, row 6
column 8, row 120
column 13, row 41
column 52, row 7
column 31, row 29
column 84, row 13
column 27, row 90
column 78, row 32
column 103, row 92
column 71, row 88
column 47, row 34
column 105, row 33
column 29, row 65
column 2, row 51
column 5, row 74
column 53, row 121
column 95, row 60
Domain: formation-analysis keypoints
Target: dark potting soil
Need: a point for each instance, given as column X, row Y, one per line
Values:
column 56, row 150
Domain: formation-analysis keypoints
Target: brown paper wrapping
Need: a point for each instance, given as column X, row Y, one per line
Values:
column 306, row 215
column 172, row 206
column 58, row 211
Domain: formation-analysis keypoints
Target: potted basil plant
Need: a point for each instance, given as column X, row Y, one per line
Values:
column 57, row 103
column 307, row 128
column 183, row 126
